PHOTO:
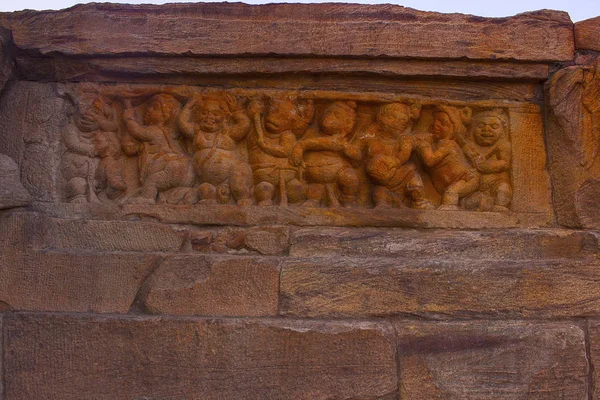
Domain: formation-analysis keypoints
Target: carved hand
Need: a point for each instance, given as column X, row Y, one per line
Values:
column 296, row 156
column 255, row 107
column 352, row 151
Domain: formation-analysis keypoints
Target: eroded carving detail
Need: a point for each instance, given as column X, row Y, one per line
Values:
column 177, row 146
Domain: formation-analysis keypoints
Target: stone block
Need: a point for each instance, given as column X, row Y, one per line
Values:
column 76, row 282
column 291, row 30
column 369, row 287
column 67, row 357
column 12, row 192
column 492, row 360
column 587, row 34
column 32, row 115
column 510, row 244
column 573, row 136
column 213, row 286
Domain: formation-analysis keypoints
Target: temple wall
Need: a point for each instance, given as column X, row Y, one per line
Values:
column 328, row 201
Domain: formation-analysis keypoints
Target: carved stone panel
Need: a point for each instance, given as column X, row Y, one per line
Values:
column 143, row 146
column 574, row 143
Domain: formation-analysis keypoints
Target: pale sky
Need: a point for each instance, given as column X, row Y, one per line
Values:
column 578, row 9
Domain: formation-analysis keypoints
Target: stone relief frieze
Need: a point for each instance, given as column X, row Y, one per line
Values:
column 181, row 146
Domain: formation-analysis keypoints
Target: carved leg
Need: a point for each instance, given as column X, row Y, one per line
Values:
column 349, row 185
column 208, row 193
column 240, row 184
column 382, row 197
column 503, row 197
column 457, row 190
column 296, row 191
column 77, row 190
column 416, row 192
column 264, row 193
column 315, row 195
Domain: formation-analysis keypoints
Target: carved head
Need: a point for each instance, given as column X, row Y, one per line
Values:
column 395, row 118
column 488, row 127
column 211, row 113
column 449, row 121
column 286, row 114
column 162, row 109
column 339, row 118
column 90, row 119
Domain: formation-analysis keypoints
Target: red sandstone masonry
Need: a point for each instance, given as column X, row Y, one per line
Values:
column 292, row 30
column 64, row 356
column 234, row 289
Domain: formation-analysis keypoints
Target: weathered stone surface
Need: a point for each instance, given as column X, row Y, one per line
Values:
column 300, row 216
column 354, row 287
column 491, row 360
column 515, row 244
column 213, row 286
column 573, row 133
column 124, row 358
column 31, row 117
column 587, row 34
column 593, row 327
column 103, row 69
column 12, row 192
column 291, row 29
column 1, row 359
column 97, row 282
column 7, row 68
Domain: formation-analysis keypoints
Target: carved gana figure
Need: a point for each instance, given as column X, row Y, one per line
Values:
column 270, row 147
column 80, row 138
column 489, row 151
column 163, row 164
column 329, row 158
column 217, row 125
column 451, row 173
column 388, row 153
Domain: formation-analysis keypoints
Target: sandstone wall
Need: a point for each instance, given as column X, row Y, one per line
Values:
column 223, row 201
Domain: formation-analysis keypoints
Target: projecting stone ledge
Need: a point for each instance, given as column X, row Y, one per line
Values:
column 347, row 30
column 587, row 34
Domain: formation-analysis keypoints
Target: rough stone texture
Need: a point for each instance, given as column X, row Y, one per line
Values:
column 124, row 358
column 593, row 327
column 415, row 244
column 7, row 69
column 31, row 117
column 12, row 192
column 66, row 281
column 352, row 287
column 587, row 34
column 491, row 360
column 213, row 286
column 103, row 69
column 573, row 133
column 291, row 29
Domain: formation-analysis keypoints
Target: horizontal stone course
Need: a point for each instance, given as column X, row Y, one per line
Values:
column 213, row 286
column 351, row 287
column 291, row 29
column 512, row 244
column 492, row 360
column 73, row 357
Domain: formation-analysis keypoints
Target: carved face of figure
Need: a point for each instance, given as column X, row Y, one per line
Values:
column 154, row 114
column 89, row 121
column 338, row 119
column 393, row 119
column 442, row 126
column 210, row 116
column 282, row 116
column 487, row 130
